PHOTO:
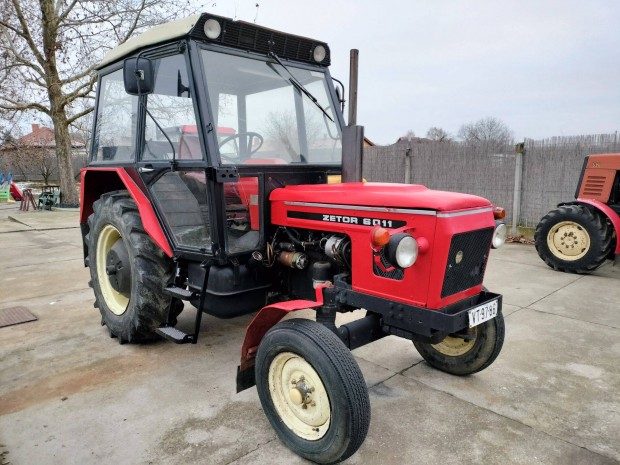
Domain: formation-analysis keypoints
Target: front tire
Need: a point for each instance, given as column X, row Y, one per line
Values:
column 128, row 271
column 459, row 356
column 312, row 391
column 573, row 239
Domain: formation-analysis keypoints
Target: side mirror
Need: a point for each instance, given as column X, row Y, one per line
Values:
column 138, row 76
column 340, row 95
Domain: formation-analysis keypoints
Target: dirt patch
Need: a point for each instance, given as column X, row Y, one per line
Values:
column 84, row 378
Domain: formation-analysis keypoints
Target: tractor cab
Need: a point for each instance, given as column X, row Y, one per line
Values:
column 214, row 118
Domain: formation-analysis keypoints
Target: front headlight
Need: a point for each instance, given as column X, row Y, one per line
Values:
column 402, row 250
column 499, row 235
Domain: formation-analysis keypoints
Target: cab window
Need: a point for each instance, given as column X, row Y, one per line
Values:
column 114, row 138
column 172, row 107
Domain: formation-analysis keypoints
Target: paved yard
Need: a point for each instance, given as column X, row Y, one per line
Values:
column 71, row 395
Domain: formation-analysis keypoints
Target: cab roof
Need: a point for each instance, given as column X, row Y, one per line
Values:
column 237, row 34
column 158, row 34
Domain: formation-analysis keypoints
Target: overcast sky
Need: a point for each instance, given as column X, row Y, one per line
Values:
column 544, row 67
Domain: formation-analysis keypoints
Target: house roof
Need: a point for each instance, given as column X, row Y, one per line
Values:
column 39, row 137
column 43, row 137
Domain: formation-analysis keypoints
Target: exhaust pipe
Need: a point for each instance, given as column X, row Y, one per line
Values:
column 352, row 135
column 353, row 73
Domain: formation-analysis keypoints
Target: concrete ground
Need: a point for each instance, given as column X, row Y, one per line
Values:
column 71, row 395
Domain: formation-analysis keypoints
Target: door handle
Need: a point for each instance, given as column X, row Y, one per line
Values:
column 144, row 169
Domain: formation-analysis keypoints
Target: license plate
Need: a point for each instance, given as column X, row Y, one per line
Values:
column 482, row 313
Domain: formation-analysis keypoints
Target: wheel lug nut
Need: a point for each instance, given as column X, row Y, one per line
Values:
column 312, row 389
column 293, row 381
column 313, row 404
column 301, row 378
column 304, row 406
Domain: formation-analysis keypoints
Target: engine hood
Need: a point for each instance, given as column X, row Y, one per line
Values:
column 379, row 195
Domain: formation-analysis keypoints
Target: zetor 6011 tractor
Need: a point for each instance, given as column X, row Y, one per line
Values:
column 217, row 154
column 580, row 235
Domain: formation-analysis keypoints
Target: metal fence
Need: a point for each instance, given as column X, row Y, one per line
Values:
column 550, row 172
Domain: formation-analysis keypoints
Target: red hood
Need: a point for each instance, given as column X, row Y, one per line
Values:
column 379, row 195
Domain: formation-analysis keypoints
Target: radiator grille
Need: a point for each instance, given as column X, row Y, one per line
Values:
column 470, row 250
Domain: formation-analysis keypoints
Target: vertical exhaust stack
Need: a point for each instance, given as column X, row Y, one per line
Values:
column 352, row 135
column 353, row 73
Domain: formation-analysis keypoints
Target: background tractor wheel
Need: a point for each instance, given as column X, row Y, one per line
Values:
column 128, row 271
column 312, row 391
column 573, row 239
column 465, row 356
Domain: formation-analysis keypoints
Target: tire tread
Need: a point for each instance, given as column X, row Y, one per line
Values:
column 152, row 267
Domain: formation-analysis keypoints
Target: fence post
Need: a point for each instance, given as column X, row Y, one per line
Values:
column 516, row 197
column 408, row 163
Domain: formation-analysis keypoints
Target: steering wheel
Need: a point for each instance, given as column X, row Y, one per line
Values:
column 252, row 136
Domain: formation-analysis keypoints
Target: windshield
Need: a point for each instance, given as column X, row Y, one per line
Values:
column 262, row 117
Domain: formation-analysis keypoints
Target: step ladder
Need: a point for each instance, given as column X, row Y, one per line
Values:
column 168, row 331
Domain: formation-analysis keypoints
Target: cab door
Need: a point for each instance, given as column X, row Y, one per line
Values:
column 171, row 158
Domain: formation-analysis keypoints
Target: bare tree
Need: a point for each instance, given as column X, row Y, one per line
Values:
column 491, row 132
column 438, row 134
column 408, row 135
column 48, row 51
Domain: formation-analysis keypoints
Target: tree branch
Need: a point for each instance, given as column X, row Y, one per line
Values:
column 79, row 115
column 63, row 16
column 26, row 33
column 17, row 106
column 81, row 91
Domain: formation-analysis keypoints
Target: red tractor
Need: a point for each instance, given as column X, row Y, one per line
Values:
column 579, row 236
column 215, row 151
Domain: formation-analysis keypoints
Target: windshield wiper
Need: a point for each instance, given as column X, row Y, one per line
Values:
column 300, row 87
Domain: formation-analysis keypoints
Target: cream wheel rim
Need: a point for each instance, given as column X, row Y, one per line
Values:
column 115, row 301
column 299, row 396
column 455, row 346
column 568, row 240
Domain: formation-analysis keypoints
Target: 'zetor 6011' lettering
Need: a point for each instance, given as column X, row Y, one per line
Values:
column 191, row 199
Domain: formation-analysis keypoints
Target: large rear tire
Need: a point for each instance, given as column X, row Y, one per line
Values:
column 465, row 356
column 312, row 391
column 573, row 239
column 128, row 271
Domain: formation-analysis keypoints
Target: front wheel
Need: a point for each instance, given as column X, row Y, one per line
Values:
column 574, row 239
column 461, row 354
column 312, row 391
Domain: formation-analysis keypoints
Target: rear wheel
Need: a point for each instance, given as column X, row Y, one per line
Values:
column 573, row 239
column 312, row 391
column 461, row 354
column 128, row 271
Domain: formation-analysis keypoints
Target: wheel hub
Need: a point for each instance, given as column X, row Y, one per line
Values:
column 568, row 240
column 299, row 396
column 301, row 393
column 117, row 268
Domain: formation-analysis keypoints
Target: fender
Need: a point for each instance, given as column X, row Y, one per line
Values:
column 258, row 327
column 611, row 215
column 98, row 181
